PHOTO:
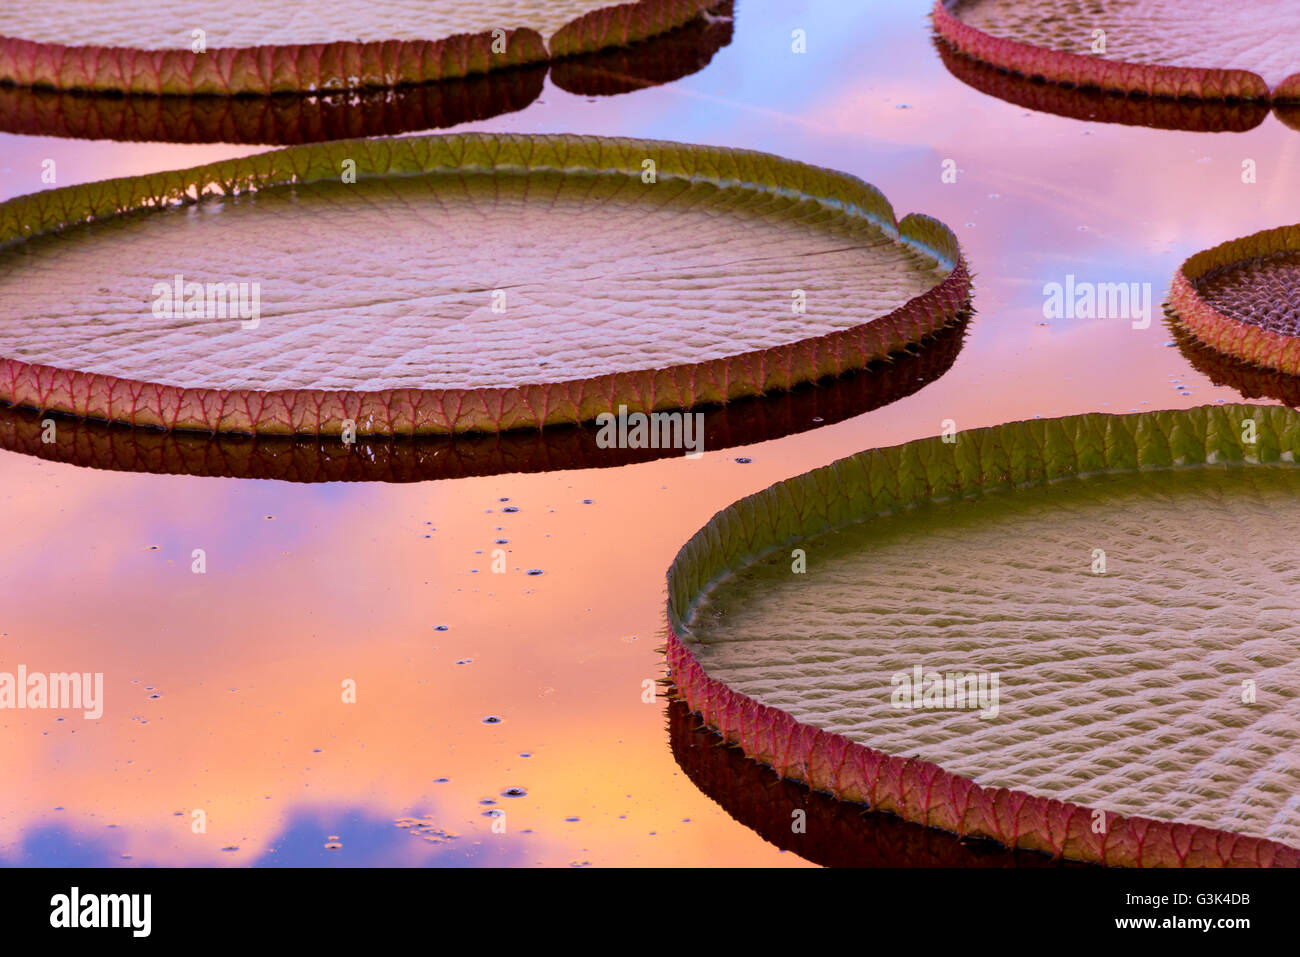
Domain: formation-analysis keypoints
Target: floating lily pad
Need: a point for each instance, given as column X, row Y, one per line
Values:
column 746, row 421
column 291, row 118
column 1243, row 298
column 462, row 283
column 1145, row 710
column 1104, row 106
column 839, row 833
column 662, row 59
column 1289, row 114
column 1252, row 381
column 1202, row 49
column 265, row 46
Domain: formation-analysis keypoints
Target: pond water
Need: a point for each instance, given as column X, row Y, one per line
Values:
column 524, row 693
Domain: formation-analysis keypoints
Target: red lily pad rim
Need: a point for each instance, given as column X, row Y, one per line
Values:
column 882, row 481
column 446, row 411
column 1240, row 340
column 1075, row 69
column 1107, row 106
column 100, row 445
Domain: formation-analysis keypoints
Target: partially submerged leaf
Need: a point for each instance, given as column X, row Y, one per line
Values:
column 266, row 46
column 462, row 283
column 1143, row 712
column 1243, row 298
column 1196, row 48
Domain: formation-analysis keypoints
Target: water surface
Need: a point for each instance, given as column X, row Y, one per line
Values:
column 223, row 689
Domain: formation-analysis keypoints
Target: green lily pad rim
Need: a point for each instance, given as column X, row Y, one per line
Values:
column 879, row 482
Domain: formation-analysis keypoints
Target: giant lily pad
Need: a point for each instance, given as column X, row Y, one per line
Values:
column 462, row 283
column 1242, row 298
column 266, row 46
column 1201, row 49
column 1145, row 711
column 292, row 118
column 745, row 421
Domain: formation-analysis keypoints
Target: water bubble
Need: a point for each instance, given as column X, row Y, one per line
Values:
column 744, row 460
column 534, row 571
column 440, row 628
column 513, row 792
column 491, row 719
